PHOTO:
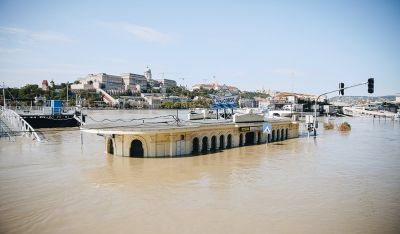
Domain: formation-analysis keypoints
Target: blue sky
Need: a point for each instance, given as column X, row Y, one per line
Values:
column 304, row 46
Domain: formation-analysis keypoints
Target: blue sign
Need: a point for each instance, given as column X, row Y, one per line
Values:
column 223, row 106
column 267, row 127
column 223, row 102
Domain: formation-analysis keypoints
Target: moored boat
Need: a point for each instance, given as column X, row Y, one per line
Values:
column 53, row 116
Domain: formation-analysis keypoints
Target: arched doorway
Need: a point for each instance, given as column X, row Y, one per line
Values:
column 259, row 138
column 110, row 146
column 229, row 141
column 221, row 142
column 250, row 138
column 241, row 139
column 195, row 149
column 273, row 136
column 269, row 138
column 204, row 145
column 136, row 149
column 287, row 133
column 278, row 137
column 213, row 143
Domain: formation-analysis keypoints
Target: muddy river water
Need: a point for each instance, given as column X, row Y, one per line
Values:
column 335, row 183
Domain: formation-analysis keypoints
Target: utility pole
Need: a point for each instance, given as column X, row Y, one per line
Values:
column 67, row 91
column 4, row 95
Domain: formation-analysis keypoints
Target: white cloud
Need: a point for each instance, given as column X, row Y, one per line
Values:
column 27, row 35
column 141, row 32
column 4, row 50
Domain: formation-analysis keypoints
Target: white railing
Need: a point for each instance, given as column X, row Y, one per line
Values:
column 19, row 124
column 5, row 131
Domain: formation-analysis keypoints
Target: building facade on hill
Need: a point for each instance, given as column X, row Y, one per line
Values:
column 45, row 85
column 132, row 81
column 216, row 86
column 124, row 82
column 147, row 73
column 100, row 81
column 166, row 83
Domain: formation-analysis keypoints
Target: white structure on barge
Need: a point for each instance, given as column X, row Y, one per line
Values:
column 190, row 137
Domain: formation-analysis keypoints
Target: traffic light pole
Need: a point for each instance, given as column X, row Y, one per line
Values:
column 316, row 100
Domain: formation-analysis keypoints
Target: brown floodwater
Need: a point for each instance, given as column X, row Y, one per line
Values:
column 335, row 183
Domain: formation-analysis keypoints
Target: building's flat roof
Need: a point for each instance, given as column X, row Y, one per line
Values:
column 167, row 125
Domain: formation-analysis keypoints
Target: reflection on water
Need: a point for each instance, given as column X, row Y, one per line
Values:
column 335, row 183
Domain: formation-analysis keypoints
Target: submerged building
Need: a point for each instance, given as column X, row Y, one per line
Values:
column 191, row 137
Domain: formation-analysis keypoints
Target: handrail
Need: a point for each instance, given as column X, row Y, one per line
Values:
column 17, row 121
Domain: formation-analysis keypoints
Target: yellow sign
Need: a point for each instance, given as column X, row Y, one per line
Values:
column 244, row 129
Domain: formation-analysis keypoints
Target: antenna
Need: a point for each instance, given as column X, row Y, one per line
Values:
column 182, row 79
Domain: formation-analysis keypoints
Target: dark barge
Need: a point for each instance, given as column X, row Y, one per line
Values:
column 53, row 116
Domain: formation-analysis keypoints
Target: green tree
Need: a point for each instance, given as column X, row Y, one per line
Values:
column 167, row 105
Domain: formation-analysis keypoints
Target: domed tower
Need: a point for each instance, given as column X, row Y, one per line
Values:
column 147, row 73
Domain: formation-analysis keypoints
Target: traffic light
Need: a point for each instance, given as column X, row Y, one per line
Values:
column 341, row 89
column 371, row 85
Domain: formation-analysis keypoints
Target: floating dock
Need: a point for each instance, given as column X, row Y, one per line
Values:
column 169, row 139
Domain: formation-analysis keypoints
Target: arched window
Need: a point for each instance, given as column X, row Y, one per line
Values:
column 250, row 138
column 136, row 149
column 204, row 145
column 273, row 136
column 221, row 142
column 110, row 146
column 195, row 145
column 229, row 141
column 213, row 143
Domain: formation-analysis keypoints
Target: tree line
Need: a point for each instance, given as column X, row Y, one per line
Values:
column 198, row 98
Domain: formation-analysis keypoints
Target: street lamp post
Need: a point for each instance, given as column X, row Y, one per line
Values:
column 67, row 91
column 316, row 100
